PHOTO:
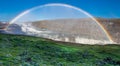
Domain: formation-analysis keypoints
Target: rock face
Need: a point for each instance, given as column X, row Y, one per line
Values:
column 3, row 25
column 15, row 29
column 113, row 27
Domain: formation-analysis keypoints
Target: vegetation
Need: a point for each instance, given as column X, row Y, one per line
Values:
column 16, row 50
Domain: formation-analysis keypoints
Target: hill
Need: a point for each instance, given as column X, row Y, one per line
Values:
column 18, row 50
column 77, row 26
column 111, row 25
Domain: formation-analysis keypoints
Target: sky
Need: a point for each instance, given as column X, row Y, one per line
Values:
column 9, row 9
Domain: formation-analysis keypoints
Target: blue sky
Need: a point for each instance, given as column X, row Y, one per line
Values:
column 98, row 8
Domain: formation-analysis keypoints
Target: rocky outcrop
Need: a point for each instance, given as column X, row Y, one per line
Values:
column 113, row 27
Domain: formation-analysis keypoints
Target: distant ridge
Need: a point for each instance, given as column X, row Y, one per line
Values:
column 111, row 25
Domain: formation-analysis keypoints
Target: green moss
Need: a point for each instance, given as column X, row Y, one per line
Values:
column 18, row 50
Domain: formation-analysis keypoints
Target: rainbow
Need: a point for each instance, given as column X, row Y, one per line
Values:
column 65, row 5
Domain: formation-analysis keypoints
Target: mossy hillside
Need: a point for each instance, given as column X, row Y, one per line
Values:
column 16, row 50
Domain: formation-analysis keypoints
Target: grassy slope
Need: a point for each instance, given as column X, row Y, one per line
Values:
column 32, row 51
